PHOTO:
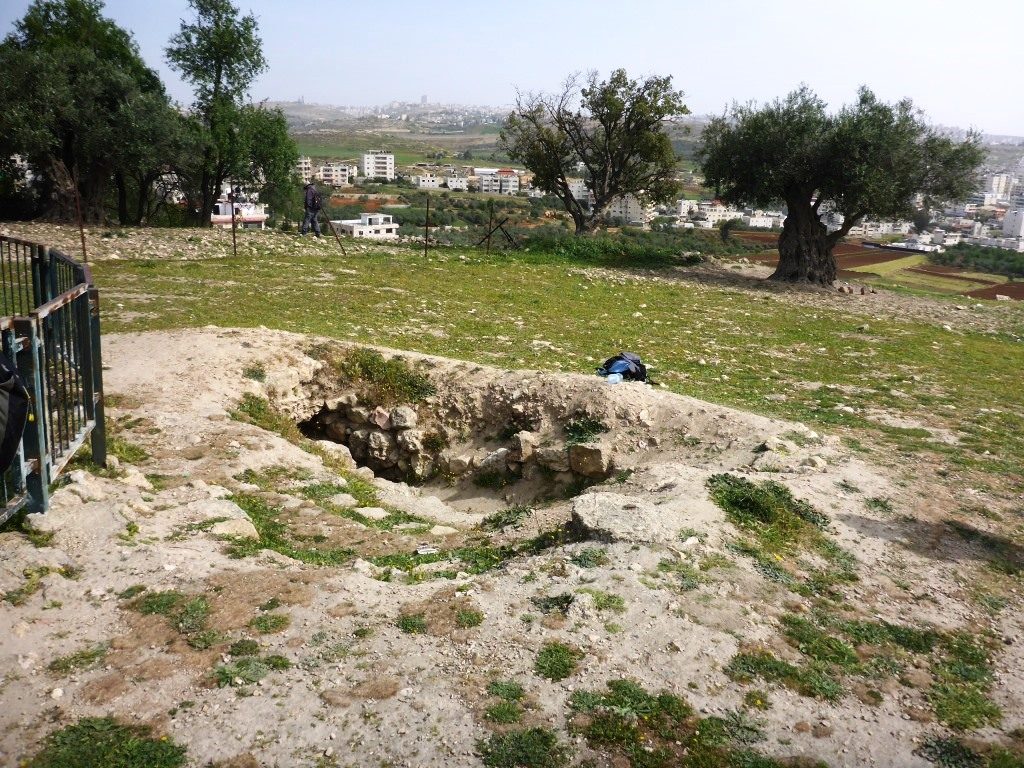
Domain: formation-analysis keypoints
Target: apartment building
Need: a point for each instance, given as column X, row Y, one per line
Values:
column 304, row 169
column 501, row 181
column 377, row 164
column 335, row 174
column 457, row 182
column 631, row 210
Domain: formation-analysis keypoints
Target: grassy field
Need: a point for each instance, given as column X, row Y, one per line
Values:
column 730, row 346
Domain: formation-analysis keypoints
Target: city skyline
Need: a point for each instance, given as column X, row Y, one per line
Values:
column 733, row 51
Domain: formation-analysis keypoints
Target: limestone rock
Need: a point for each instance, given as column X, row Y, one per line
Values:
column 459, row 465
column 241, row 528
column 524, row 444
column 613, row 517
column 381, row 447
column 553, row 457
column 374, row 513
column 590, row 459
column 381, row 418
column 403, row 417
column 343, row 500
column 442, row 530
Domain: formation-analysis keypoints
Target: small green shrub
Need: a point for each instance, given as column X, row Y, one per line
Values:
column 412, row 623
column 583, row 430
column 467, row 618
column 590, row 557
column 384, row 382
column 255, row 371
column 606, row 601
column 244, row 648
column 556, row 661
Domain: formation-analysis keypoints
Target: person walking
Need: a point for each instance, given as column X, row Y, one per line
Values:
column 312, row 205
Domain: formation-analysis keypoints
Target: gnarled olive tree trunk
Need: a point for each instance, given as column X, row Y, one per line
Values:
column 805, row 249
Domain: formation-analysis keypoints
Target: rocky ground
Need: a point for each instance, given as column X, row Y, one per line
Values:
column 382, row 611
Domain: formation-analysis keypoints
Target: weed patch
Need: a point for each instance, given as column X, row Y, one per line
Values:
column 760, row 663
column 101, row 742
column 605, row 601
column 268, row 623
column 79, row 660
column 556, row 661
column 508, row 690
column 631, row 726
column 412, row 623
column 510, row 517
column 583, row 430
column 381, row 381
column 528, row 748
column 590, row 557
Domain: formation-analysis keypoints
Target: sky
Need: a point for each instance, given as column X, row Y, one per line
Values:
column 955, row 60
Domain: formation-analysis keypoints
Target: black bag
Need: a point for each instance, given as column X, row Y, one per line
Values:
column 627, row 364
column 13, row 412
column 318, row 201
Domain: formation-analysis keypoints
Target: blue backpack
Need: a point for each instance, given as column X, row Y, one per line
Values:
column 627, row 364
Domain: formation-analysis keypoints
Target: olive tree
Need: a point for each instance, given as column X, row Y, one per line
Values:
column 614, row 129
column 869, row 159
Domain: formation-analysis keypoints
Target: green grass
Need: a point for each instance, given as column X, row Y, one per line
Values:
column 556, row 661
column 583, row 430
column 544, row 288
column 273, row 534
column 605, row 601
column 630, row 726
column 808, row 680
column 269, row 623
column 467, row 618
column 504, row 712
column 381, row 381
column 79, row 660
column 509, row 690
column 101, row 742
column 162, row 603
column 244, row 647
column 526, row 748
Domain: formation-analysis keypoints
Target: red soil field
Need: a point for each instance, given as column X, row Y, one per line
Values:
column 1013, row 290
column 950, row 273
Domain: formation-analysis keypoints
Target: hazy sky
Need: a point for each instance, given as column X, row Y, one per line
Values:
column 957, row 61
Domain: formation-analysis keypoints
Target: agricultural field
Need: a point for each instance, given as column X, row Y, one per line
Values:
column 901, row 271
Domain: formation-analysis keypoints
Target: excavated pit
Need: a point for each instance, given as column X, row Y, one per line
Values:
column 489, row 438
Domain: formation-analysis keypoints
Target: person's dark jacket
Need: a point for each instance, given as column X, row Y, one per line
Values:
column 310, row 194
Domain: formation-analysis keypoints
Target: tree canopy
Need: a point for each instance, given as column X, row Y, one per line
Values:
column 869, row 159
column 219, row 52
column 613, row 130
column 79, row 102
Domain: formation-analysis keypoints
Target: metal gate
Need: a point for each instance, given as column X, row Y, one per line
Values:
column 50, row 330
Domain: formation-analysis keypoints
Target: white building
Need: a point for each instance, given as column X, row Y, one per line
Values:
column 378, row 164
column 501, row 181
column 457, row 182
column 335, row 174
column 371, row 226
column 759, row 221
column 1013, row 223
column 631, row 210
column 426, row 181
column 304, row 169
column 247, row 215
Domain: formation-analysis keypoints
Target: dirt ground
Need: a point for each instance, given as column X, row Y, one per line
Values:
column 361, row 691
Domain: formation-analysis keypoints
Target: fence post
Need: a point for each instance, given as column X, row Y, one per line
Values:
column 93, row 376
column 37, row 483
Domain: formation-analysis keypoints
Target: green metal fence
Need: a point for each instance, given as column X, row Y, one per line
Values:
column 50, row 331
